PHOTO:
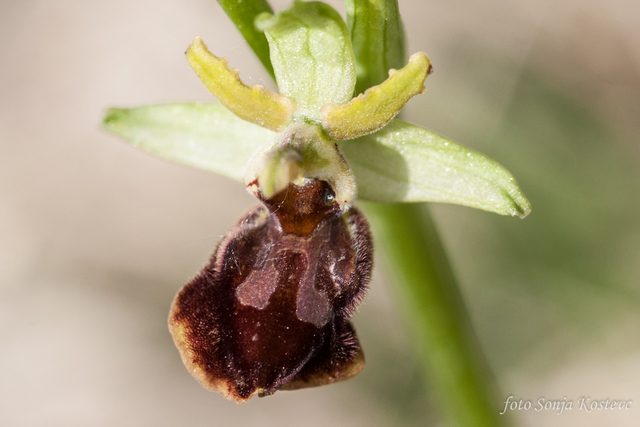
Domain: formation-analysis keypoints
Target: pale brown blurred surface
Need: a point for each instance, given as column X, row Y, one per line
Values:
column 96, row 237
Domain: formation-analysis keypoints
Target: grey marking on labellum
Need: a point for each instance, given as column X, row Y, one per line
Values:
column 312, row 306
column 258, row 287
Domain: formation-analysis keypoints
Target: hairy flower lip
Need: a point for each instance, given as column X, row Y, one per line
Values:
column 253, row 321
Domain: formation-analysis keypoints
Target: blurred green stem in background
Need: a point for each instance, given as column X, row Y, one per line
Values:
column 450, row 356
column 448, row 350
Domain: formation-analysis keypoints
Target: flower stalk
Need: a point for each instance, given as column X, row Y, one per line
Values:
column 451, row 359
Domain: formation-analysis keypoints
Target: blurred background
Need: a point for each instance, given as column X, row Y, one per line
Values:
column 97, row 237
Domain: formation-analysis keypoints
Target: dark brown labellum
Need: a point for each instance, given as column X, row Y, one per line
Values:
column 270, row 311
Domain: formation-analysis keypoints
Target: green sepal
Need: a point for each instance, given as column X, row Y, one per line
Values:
column 407, row 163
column 205, row 136
column 311, row 55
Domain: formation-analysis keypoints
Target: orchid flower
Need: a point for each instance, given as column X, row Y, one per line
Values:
column 270, row 311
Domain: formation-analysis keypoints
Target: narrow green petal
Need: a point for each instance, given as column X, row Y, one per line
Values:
column 205, row 136
column 243, row 15
column 407, row 163
column 378, row 105
column 255, row 104
column 312, row 56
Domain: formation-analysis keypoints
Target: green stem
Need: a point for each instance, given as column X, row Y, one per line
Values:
column 449, row 352
column 243, row 15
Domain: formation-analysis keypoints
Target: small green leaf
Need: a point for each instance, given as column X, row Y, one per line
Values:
column 243, row 15
column 377, row 35
column 206, row 136
column 312, row 56
column 407, row 163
